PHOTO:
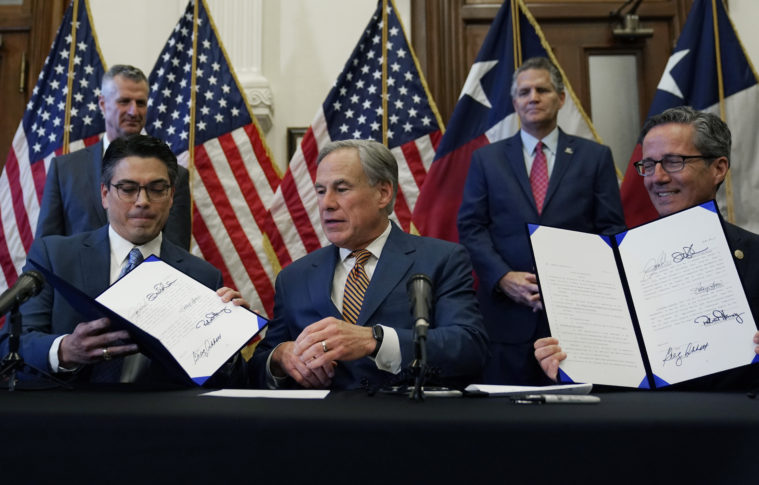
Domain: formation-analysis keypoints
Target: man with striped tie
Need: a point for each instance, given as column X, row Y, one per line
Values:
column 342, row 317
column 137, row 184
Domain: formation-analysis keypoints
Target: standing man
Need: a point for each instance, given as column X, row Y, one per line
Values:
column 71, row 199
column 342, row 317
column 137, row 189
column 686, row 156
column 542, row 176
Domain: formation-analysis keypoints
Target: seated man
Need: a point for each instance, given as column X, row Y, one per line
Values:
column 137, row 190
column 674, row 184
column 342, row 315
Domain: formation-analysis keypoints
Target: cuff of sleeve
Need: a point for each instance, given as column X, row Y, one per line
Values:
column 52, row 357
column 272, row 381
column 389, row 357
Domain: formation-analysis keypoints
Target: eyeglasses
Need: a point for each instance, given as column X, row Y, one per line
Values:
column 670, row 163
column 130, row 191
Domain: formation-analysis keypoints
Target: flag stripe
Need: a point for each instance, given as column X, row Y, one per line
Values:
column 248, row 257
column 208, row 247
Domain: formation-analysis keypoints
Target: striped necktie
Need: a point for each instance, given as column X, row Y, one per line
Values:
column 355, row 287
column 133, row 259
column 539, row 177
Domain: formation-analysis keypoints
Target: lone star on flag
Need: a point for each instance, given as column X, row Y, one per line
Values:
column 667, row 82
column 473, row 84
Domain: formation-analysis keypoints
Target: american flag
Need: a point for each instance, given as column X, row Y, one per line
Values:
column 66, row 95
column 213, row 131
column 484, row 114
column 380, row 95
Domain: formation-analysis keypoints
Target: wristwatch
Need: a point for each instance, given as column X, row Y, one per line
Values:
column 378, row 333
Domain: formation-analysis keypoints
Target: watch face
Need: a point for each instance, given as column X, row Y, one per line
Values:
column 378, row 332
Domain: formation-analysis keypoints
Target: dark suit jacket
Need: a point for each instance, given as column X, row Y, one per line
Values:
column 71, row 201
column 456, row 342
column 84, row 261
column 583, row 195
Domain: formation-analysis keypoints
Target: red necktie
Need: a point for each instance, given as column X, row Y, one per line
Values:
column 355, row 287
column 539, row 177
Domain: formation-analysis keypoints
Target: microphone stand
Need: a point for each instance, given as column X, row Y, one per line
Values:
column 419, row 365
column 13, row 362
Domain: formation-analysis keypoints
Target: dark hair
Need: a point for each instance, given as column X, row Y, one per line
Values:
column 539, row 63
column 377, row 160
column 124, row 70
column 711, row 136
column 142, row 146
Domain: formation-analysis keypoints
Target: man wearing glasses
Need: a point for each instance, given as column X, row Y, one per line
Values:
column 137, row 187
column 686, row 156
column 71, row 200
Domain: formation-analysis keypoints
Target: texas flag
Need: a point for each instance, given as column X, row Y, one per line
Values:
column 484, row 114
column 710, row 71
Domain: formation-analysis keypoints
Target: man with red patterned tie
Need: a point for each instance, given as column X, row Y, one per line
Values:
column 542, row 176
column 342, row 316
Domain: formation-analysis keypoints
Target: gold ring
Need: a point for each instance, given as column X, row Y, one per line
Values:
column 106, row 354
column 324, row 346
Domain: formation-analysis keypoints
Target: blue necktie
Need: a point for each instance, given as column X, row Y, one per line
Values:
column 133, row 259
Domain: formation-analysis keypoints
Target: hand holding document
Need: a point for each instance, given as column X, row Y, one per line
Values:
column 673, row 280
column 175, row 319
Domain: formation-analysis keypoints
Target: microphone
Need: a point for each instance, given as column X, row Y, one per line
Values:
column 419, row 289
column 29, row 284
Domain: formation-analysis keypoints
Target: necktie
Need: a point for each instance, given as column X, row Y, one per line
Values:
column 133, row 259
column 539, row 177
column 355, row 287
column 133, row 365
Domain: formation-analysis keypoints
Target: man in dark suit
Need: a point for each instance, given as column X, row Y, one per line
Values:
column 137, row 186
column 342, row 317
column 71, row 199
column 686, row 156
column 543, row 176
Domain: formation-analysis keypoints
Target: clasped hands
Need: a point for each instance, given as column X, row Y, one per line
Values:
column 311, row 359
column 95, row 341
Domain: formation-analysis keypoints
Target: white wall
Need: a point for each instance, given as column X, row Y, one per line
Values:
column 305, row 44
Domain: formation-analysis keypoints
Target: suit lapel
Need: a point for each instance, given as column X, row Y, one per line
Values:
column 96, row 151
column 564, row 153
column 394, row 263
column 95, row 262
column 319, row 282
column 515, row 161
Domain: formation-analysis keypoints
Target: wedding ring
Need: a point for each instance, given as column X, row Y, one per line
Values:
column 324, row 346
column 106, row 354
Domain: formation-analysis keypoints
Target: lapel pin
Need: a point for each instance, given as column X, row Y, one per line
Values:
column 738, row 254
column 568, row 150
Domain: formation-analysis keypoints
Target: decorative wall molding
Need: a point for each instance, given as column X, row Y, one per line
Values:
column 240, row 25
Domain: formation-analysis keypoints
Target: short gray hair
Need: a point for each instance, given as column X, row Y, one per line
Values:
column 539, row 63
column 377, row 160
column 711, row 136
column 129, row 72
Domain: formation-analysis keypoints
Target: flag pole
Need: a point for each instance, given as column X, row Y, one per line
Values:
column 191, row 138
column 70, row 78
column 722, row 113
column 384, row 72
column 517, row 43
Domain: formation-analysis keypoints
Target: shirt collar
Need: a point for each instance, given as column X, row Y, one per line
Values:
column 120, row 247
column 375, row 247
column 551, row 141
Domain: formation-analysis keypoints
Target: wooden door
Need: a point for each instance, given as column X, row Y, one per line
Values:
column 27, row 29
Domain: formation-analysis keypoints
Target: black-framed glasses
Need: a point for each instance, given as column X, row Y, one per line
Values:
column 130, row 191
column 670, row 163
